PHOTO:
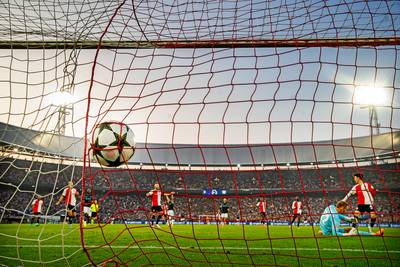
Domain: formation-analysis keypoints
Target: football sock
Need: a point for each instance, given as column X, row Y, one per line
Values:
column 373, row 221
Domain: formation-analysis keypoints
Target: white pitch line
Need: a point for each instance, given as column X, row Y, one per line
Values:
column 207, row 248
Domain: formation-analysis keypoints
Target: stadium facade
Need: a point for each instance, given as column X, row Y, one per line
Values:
column 386, row 145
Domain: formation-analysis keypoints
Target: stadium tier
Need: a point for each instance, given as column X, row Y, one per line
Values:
column 126, row 190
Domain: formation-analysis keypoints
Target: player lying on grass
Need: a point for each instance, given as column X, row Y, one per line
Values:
column 331, row 218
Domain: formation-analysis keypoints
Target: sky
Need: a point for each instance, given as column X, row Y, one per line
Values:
column 203, row 95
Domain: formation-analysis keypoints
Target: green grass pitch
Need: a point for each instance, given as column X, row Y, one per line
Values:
column 192, row 245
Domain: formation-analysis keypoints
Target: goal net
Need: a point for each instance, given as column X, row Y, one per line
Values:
column 239, row 108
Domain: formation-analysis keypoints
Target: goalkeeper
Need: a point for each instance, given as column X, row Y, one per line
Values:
column 331, row 218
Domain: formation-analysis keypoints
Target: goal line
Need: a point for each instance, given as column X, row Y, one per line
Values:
column 206, row 248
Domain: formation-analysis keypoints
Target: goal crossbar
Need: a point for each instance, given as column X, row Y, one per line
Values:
column 227, row 43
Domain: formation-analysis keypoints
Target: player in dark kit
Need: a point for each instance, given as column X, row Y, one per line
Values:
column 224, row 210
column 87, row 211
column 170, row 208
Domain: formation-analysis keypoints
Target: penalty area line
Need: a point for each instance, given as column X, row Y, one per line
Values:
column 205, row 248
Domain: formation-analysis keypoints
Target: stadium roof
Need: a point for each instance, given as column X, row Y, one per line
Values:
column 194, row 154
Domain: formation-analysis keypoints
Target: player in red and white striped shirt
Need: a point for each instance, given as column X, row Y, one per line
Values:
column 69, row 194
column 37, row 207
column 297, row 208
column 262, row 208
column 365, row 194
column 156, row 203
column 156, row 208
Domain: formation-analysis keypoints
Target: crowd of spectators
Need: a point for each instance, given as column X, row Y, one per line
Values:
column 121, row 192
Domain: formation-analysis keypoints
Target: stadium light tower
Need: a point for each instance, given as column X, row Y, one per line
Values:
column 63, row 99
column 370, row 97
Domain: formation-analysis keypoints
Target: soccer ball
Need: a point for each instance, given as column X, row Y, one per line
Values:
column 113, row 143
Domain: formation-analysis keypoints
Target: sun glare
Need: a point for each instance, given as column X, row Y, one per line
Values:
column 369, row 95
column 62, row 98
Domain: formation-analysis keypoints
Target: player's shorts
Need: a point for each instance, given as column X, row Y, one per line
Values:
column 262, row 213
column 224, row 215
column 156, row 209
column 171, row 213
column 71, row 208
column 365, row 208
column 37, row 213
column 94, row 214
column 87, row 211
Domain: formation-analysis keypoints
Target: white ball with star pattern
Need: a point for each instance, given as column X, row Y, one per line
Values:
column 113, row 143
